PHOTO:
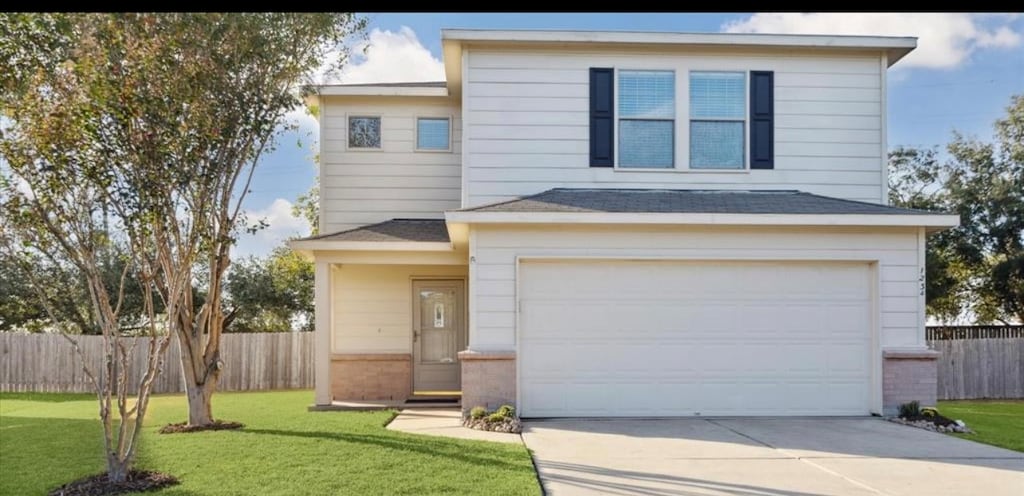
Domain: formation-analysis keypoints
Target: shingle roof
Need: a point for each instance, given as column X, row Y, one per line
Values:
column 689, row 201
column 421, row 230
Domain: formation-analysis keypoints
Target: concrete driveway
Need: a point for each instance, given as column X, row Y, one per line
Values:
column 762, row 457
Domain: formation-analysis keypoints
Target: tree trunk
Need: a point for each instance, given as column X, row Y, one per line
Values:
column 200, row 376
column 200, row 408
column 117, row 470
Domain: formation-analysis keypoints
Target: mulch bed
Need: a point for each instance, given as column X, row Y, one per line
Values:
column 99, row 485
column 935, row 419
column 510, row 425
column 217, row 425
column 936, row 422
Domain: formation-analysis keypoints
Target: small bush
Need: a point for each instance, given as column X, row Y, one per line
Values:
column 506, row 410
column 478, row 412
column 929, row 412
column 911, row 409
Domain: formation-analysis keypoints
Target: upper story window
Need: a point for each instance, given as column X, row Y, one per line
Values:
column 433, row 134
column 647, row 109
column 717, row 120
column 364, row 132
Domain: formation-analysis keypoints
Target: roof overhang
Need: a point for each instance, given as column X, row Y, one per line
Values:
column 932, row 223
column 453, row 41
column 380, row 90
column 307, row 247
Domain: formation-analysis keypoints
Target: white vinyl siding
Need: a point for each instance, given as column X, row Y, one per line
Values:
column 529, row 115
column 495, row 250
column 371, row 305
column 360, row 187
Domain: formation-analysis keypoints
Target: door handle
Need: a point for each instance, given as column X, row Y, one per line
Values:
column 415, row 336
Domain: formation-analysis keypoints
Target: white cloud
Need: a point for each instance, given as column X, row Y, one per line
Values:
column 392, row 57
column 945, row 40
column 282, row 225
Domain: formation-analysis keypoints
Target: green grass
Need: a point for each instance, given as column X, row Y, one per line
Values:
column 995, row 422
column 49, row 439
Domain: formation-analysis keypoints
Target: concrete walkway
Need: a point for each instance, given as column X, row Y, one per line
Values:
column 765, row 457
column 445, row 422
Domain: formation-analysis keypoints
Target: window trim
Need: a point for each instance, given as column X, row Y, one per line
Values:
column 416, row 133
column 616, row 119
column 745, row 120
column 348, row 129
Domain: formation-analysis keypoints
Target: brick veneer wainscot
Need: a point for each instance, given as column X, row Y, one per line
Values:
column 371, row 377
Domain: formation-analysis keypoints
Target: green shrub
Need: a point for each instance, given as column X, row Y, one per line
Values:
column 478, row 412
column 506, row 410
column 911, row 409
column 929, row 412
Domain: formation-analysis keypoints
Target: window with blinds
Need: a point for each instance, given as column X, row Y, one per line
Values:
column 717, row 120
column 646, row 119
column 433, row 134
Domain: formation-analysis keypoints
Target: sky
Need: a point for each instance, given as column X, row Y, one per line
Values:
column 960, row 77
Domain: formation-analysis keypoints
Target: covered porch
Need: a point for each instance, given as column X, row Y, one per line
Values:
column 391, row 314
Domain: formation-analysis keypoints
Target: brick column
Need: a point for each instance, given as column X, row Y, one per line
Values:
column 909, row 375
column 488, row 379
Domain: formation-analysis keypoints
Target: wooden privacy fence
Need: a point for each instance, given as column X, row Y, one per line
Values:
column 933, row 333
column 979, row 361
column 252, row 361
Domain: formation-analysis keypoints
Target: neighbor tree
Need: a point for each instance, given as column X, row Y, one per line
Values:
column 978, row 267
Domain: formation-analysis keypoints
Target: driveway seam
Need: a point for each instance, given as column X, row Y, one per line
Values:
column 802, row 459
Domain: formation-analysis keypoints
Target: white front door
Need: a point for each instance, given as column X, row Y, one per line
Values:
column 439, row 333
column 667, row 338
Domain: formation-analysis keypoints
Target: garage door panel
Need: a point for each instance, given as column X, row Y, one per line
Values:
column 694, row 338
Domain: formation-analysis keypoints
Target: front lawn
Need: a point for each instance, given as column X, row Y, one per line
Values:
column 995, row 422
column 49, row 439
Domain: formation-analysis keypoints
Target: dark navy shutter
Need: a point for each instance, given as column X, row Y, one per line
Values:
column 762, row 120
column 602, row 129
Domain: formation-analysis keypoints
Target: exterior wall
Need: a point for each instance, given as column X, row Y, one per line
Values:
column 372, row 306
column 909, row 376
column 493, row 286
column 370, row 353
column 488, row 379
column 527, row 116
column 359, row 187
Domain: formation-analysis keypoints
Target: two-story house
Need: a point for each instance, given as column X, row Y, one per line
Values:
column 622, row 224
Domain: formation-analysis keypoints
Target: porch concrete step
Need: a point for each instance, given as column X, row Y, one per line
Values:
column 432, row 401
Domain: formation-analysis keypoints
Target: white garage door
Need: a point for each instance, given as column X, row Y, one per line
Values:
column 624, row 338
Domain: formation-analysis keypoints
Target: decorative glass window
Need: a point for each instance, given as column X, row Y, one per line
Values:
column 363, row 132
column 432, row 133
column 647, row 109
column 717, row 119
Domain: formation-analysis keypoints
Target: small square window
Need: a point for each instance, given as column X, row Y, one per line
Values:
column 433, row 133
column 364, row 132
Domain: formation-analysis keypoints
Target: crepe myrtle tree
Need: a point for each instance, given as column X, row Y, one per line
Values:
column 56, row 203
column 179, row 109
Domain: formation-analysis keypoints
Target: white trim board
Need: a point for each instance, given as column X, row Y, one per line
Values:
column 938, row 221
